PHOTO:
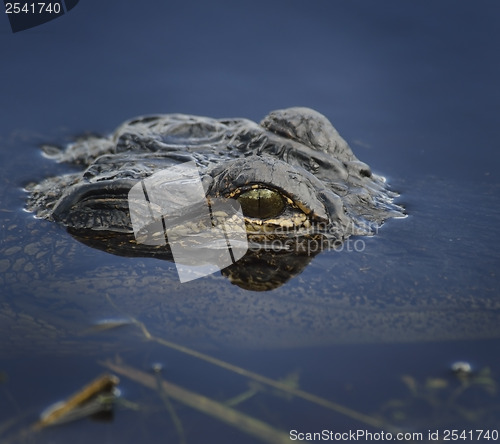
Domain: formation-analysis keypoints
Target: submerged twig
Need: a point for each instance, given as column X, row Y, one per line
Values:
column 63, row 411
column 243, row 422
column 283, row 386
column 97, row 396
column 171, row 410
column 279, row 385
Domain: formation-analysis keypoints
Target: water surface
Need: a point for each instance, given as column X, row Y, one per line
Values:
column 413, row 88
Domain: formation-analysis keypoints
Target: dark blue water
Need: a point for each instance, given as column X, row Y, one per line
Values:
column 413, row 87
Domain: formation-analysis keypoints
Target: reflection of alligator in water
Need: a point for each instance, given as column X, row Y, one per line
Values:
column 416, row 282
column 299, row 185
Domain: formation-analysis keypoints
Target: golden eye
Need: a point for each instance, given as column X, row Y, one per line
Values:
column 261, row 203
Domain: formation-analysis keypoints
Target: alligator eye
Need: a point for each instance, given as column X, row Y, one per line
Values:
column 261, row 203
